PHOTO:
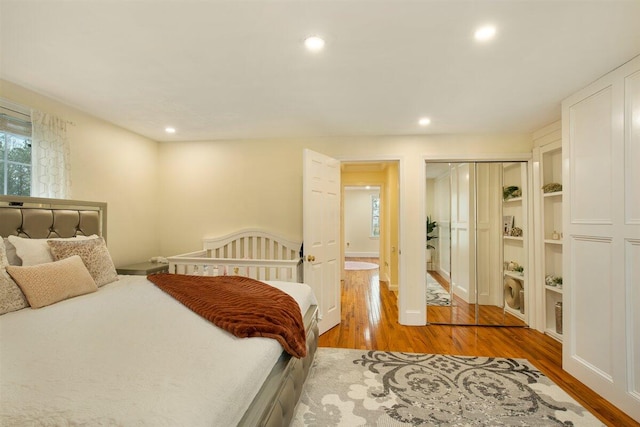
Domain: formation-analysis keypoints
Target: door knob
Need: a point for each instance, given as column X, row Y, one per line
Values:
column 311, row 258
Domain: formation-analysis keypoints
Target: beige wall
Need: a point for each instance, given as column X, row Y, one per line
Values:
column 108, row 164
column 357, row 223
column 392, row 205
column 212, row 188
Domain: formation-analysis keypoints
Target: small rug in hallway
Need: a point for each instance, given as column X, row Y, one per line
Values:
column 436, row 294
column 377, row 388
column 359, row 265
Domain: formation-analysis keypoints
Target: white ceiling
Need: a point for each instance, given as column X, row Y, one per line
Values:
column 238, row 69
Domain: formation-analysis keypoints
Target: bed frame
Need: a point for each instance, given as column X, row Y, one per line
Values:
column 251, row 252
column 275, row 403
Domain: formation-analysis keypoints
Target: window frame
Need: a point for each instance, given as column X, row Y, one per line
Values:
column 15, row 124
column 374, row 231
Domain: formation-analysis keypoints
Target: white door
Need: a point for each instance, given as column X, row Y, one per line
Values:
column 321, row 234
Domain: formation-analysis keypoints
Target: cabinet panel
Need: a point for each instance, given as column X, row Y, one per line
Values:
column 592, row 327
column 591, row 150
column 632, row 149
column 632, row 264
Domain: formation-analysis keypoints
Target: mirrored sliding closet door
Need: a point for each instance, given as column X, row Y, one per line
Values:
column 476, row 243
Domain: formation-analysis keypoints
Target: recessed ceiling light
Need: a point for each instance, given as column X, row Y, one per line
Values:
column 425, row 121
column 170, row 130
column 314, row 43
column 485, row 33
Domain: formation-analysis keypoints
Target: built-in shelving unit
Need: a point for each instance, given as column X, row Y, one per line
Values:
column 514, row 248
column 551, row 234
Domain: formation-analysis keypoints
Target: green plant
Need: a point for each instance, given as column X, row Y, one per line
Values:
column 510, row 192
column 519, row 269
column 557, row 281
column 431, row 226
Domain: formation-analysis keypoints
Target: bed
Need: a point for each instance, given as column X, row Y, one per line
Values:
column 129, row 354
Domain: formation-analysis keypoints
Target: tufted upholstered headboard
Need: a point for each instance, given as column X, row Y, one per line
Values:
column 39, row 218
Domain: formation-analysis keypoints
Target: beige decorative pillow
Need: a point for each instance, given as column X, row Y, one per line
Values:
column 94, row 254
column 45, row 284
column 11, row 297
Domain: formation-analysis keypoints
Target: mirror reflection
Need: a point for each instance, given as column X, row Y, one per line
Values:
column 476, row 246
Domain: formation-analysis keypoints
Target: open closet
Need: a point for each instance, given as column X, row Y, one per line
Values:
column 478, row 243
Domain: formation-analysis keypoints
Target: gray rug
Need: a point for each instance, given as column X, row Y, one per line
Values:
column 376, row 388
column 436, row 294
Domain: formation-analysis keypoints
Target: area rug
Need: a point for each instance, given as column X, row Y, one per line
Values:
column 377, row 388
column 436, row 294
column 359, row 265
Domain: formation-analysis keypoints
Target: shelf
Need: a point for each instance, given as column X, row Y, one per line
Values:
column 514, row 275
column 554, row 194
column 513, row 199
column 553, row 334
column 513, row 238
column 553, row 242
column 556, row 289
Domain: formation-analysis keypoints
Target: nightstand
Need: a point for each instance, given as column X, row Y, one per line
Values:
column 143, row 268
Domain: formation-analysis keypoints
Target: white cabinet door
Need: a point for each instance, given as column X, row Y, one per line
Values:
column 321, row 233
column 601, row 259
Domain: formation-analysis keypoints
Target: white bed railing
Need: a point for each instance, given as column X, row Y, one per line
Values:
column 250, row 253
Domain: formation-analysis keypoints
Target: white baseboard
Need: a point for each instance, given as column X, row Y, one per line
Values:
column 362, row 254
column 444, row 274
column 393, row 287
column 412, row 318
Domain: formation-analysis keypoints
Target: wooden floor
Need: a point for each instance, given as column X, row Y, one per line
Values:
column 370, row 321
column 462, row 313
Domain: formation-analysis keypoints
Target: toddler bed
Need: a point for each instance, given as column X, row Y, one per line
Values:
column 129, row 354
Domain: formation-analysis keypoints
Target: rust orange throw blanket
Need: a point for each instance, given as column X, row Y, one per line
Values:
column 242, row 306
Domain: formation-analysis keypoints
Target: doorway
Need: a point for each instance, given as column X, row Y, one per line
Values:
column 477, row 244
column 378, row 225
column 361, row 218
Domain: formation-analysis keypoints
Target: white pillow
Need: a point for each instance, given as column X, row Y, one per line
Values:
column 12, row 256
column 37, row 251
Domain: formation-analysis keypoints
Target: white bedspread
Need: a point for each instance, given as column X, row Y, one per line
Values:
column 129, row 355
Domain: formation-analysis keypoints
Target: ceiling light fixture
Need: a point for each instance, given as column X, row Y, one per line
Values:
column 314, row 43
column 485, row 33
column 425, row 121
column 170, row 130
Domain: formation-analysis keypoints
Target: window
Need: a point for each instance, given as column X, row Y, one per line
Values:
column 375, row 215
column 15, row 151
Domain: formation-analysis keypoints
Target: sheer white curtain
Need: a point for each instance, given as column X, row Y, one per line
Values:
column 50, row 173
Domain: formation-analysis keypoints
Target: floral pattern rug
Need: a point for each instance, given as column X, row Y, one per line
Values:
column 436, row 294
column 377, row 388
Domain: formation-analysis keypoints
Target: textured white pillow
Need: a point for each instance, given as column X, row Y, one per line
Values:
column 37, row 251
column 46, row 284
column 94, row 254
column 11, row 297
